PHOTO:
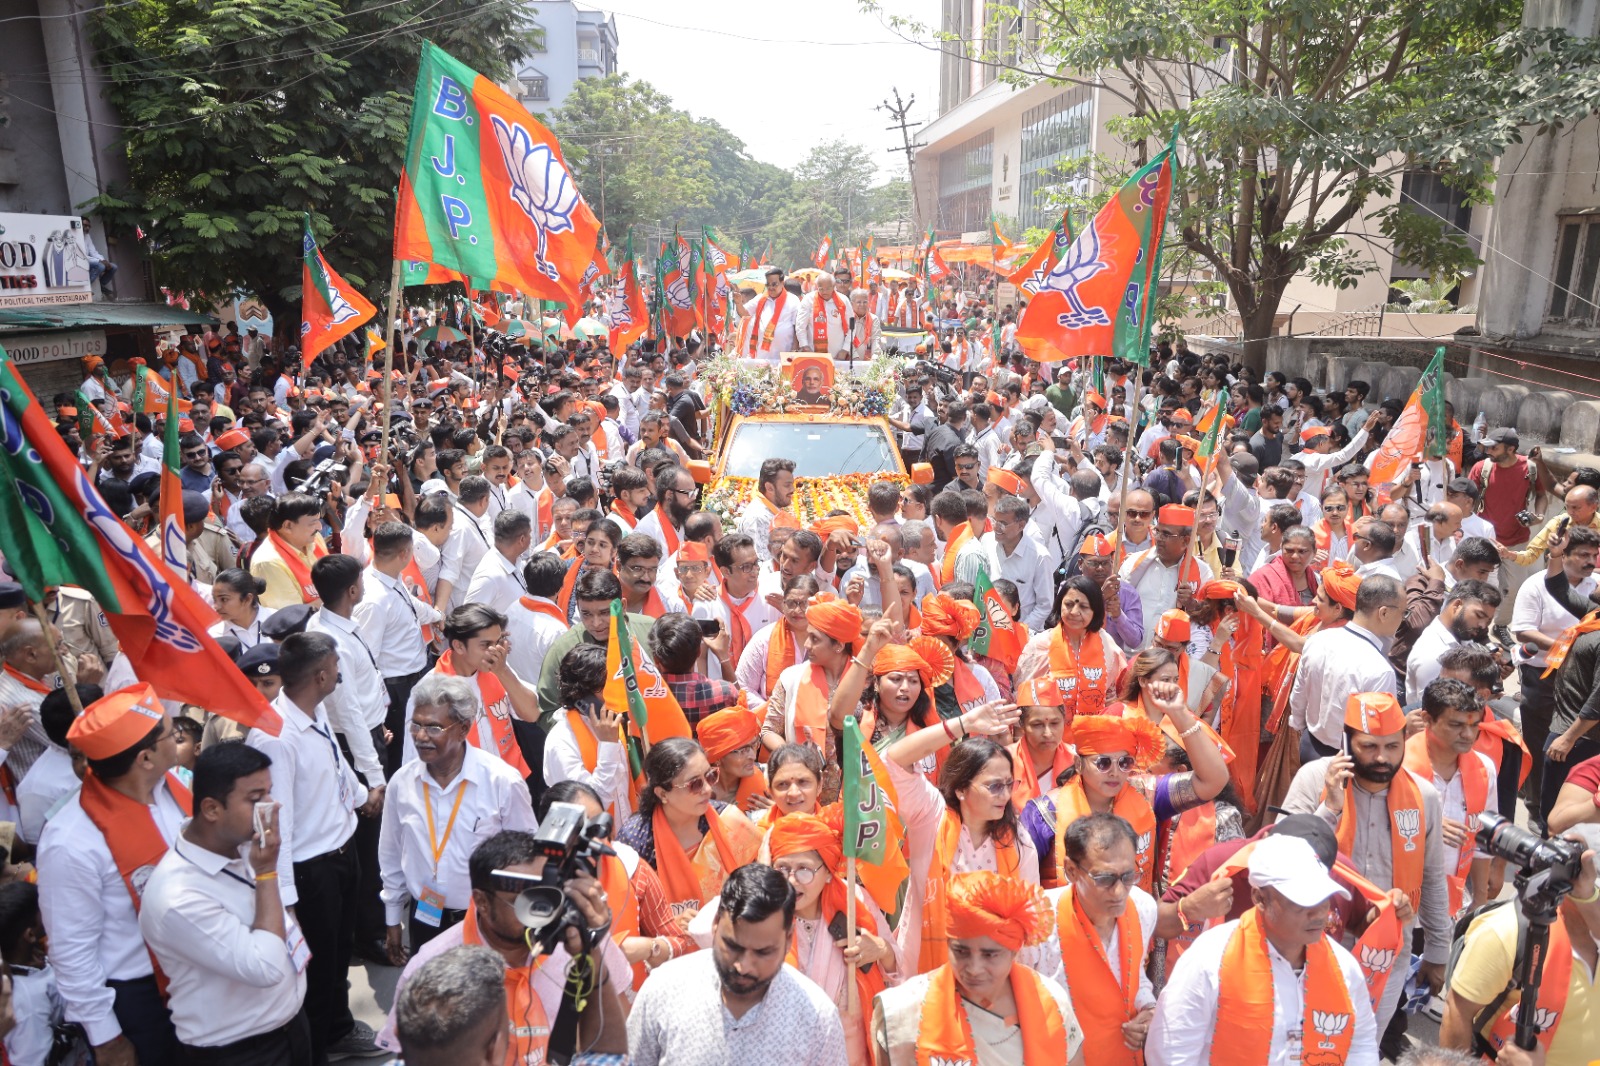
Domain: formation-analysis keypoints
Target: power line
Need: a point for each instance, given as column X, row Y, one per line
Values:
column 900, row 109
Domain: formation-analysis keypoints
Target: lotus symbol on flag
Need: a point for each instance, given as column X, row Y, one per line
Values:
column 940, row 1060
column 540, row 185
column 678, row 293
column 1543, row 1019
column 1328, row 1023
column 1377, row 960
column 342, row 311
column 1080, row 263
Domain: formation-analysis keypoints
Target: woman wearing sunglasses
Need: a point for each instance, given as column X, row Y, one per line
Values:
column 692, row 840
column 1121, row 770
column 967, row 823
column 1333, row 529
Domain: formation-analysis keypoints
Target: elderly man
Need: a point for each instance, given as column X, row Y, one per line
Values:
column 1166, row 575
column 1583, row 509
column 865, row 328
column 823, row 319
column 1011, row 1014
column 1259, row 972
column 771, row 331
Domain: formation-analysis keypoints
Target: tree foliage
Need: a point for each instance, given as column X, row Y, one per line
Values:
column 834, row 191
column 1299, row 117
column 240, row 115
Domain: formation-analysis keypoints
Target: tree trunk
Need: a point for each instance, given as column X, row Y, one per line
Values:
column 1257, row 323
column 285, row 320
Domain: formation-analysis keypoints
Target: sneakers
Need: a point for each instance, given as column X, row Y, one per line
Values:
column 1502, row 634
column 359, row 1043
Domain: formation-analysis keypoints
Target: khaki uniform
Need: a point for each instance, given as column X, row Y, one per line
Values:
column 83, row 626
column 210, row 553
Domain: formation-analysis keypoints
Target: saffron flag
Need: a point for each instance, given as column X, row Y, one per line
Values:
column 635, row 687
column 151, row 393
column 999, row 247
column 91, row 423
column 675, row 287
column 174, row 541
column 824, row 252
column 931, row 265
column 997, row 635
column 721, row 251
column 60, row 532
column 1031, row 274
column 1408, row 439
column 330, row 307
column 485, row 191
column 1099, row 298
column 874, row 835
column 630, row 316
column 746, row 254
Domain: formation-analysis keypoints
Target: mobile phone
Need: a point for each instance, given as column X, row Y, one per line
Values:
column 709, row 627
column 837, row 929
column 263, row 818
column 1425, row 542
column 1561, row 527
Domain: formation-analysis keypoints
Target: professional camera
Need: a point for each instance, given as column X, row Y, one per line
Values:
column 570, row 842
column 607, row 472
column 1547, row 868
column 322, row 476
column 939, row 372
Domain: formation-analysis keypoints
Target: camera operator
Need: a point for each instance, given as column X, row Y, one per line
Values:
column 534, row 985
column 1568, row 1001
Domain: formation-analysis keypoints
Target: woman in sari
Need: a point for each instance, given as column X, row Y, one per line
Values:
column 1075, row 650
column 691, row 840
column 1290, row 580
column 730, row 739
column 894, row 696
column 967, row 823
column 1043, row 752
column 1120, row 770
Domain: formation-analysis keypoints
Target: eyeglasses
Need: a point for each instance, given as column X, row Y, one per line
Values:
column 748, row 568
column 682, row 492
column 1141, row 513
column 1171, row 534
column 1104, row 763
column 800, row 875
column 432, row 732
column 1335, row 510
column 696, row 785
column 641, row 571
column 997, row 789
column 1438, row 518
column 1128, row 879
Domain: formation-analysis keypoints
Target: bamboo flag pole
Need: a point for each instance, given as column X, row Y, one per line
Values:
column 68, row 681
column 1127, row 464
column 852, row 1004
column 388, row 354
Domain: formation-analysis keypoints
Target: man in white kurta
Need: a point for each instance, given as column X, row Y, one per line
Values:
column 822, row 320
column 773, row 332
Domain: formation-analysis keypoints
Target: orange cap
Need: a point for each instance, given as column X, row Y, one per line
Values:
column 1176, row 514
column 1040, row 692
column 1377, row 713
column 1007, row 481
column 694, row 551
column 232, row 439
column 1096, row 544
column 1173, row 626
column 116, row 722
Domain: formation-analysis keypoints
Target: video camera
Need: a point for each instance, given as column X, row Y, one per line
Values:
column 322, row 476
column 939, row 372
column 570, row 842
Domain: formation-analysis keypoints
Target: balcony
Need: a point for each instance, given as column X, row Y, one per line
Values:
column 589, row 57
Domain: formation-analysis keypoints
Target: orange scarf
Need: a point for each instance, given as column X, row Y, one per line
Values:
column 668, row 535
column 959, row 536
column 1553, row 989
column 935, row 919
column 819, row 321
column 624, row 512
column 690, row 880
column 544, row 607
column 1027, row 787
column 1242, row 662
column 624, row 903
column 772, row 326
column 1474, row 790
column 31, row 684
column 297, row 566
column 531, row 1037
column 1563, row 645
column 738, row 624
column 1130, row 805
column 1406, row 832
column 1082, row 677
column 780, row 653
column 569, row 582
column 869, row 982
column 502, row 739
column 1192, row 832
column 944, row 1035
column 1246, row 1000
column 968, row 689
column 811, row 708
column 1102, row 996
column 751, row 788
column 589, row 752
column 1494, row 735
column 545, row 504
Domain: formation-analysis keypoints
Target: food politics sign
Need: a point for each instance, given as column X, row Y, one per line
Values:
column 43, row 261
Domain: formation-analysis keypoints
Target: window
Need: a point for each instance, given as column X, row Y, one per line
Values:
column 966, row 182
column 1054, row 133
column 820, row 450
column 1577, row 266
column 534, row 88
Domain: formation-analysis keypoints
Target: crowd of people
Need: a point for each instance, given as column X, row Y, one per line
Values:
column 1221, row 799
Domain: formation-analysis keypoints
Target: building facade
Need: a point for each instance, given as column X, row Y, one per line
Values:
column 579, row 42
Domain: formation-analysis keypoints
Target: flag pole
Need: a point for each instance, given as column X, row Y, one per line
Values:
column 852, row 1003
column 388, row 353
column 70, row 683
column 1127, row 464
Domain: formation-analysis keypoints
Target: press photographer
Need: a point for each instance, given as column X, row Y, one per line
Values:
column 500, row 870
column 1494, row 966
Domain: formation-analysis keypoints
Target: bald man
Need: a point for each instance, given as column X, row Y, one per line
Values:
column 1583, row 509
column 823, row 319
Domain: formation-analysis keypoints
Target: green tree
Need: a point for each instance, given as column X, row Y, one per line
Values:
column 1299, row 117
column 241, row 114
column 833, row 191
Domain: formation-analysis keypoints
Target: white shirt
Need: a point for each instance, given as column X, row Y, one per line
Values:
column 564, row 762
column 522, row 498
column 318, row 790
column 497, row 582
column 679, row 1019
column 1384, row 566
column 94, row 931
column 1046, row 958
column 1422, row 664
column 225, row 980
column 988, row 444
column 836, row 318
column 783, row 339
column 493, row 797
column 1031, row 569
column 531, row 633
column 465, row 548
column 247, row 636
column 390, row 619
column 1318, row 465
column 1534, row 609
column 1334, row 664
column 756, row 520
column 1157, row 585
column 360, row 703
column 1185, row 1021
column 1453, row 799
column 751, row 673
column 47, row 780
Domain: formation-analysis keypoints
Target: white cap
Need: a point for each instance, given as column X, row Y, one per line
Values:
column 1289, row 865
column 433, row 485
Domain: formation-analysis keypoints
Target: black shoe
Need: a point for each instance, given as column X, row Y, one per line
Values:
column 1394, row 1043
column 371, row 951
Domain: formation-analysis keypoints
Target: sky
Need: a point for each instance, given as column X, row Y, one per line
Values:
column 827, row 61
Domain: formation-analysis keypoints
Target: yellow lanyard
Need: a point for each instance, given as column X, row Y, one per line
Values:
column 437, row 845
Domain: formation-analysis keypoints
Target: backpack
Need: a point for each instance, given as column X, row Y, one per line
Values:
column 1096, row 521
column 1480, row 1046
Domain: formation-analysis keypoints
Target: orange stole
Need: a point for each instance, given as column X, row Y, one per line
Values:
column 935, row 922
column 531, row 1038
column 959, row 536
column 1474, row 790
column 1406, row 833
column 944, row 1035
column 1103, row 996
column 1028, row 781
column 1081, row 677
column 1242, row 661
column 624, row 903
column 691, row 880
column 589, row 752
column 1246, row 1000
column 497, row 713
column 1071, row 804
column 297, row 566
column 780, row 653
column 1553, row 989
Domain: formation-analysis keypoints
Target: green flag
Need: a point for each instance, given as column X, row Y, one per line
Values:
column 1432, row 388
column 873, row 833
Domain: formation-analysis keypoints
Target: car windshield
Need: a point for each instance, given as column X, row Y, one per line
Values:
column 819, row 449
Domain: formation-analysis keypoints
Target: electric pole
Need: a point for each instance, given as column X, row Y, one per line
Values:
column 899, row 110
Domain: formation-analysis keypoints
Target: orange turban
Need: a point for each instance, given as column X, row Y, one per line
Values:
column 837, row 619
column 1009, row 911
column 1007, row 481
column 944, row 616
column 1341, row 581
column 1377, row 713
column 116, row 722
column 1040, row 692
column 826, row 527
column 725, row 732
column 1220, row 590
column 899, row 657
column 1101, row 734
column 794, row 833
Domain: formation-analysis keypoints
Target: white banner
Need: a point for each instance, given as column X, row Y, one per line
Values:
column 48, row 347
column 44, row 260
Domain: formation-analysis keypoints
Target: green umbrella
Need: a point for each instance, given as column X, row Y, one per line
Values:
column 590, row 328
column 442, row 334
column 518, row 327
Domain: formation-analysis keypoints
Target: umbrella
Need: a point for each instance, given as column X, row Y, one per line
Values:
column 807, row 272
column 589, row 328
column 518, row 327
column 442, row 334
column 893, row 274
column 557, row 328
column 741, row 278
